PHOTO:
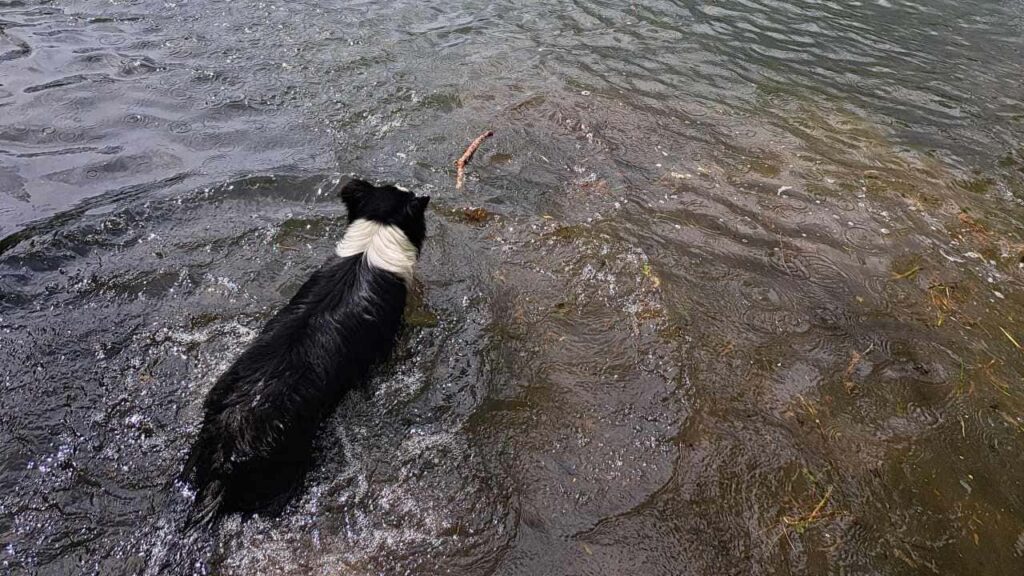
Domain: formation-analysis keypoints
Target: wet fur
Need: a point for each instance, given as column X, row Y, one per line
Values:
column 263, row 413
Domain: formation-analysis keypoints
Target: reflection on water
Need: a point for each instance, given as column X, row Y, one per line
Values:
column 744, row 295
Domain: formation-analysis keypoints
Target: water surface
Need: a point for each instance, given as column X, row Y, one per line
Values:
column 745, row 296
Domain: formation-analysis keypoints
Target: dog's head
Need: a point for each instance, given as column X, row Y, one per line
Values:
column 387, row 205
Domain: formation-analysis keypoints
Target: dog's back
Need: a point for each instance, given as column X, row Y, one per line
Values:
column 263, row 413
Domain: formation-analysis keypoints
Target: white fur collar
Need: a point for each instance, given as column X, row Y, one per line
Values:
column 384, row 246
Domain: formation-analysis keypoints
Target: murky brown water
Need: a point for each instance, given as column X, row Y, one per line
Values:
column 747, row 298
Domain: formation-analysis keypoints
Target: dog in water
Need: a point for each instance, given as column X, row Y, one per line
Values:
column 262, row 415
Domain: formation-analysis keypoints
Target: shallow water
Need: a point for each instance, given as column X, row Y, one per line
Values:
column 746, row 297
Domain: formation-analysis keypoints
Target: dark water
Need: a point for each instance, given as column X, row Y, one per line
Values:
column 747, row 299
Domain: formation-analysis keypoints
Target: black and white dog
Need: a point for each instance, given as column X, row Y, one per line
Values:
column 263, row 413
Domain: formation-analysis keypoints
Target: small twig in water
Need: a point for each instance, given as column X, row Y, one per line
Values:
column 848, row 382
column 908, row 274
column 802, row 522
column 854, row 360
column 460, row 164
column 1012, row 339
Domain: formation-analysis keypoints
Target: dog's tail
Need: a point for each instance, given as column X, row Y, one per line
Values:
column 206, row 506
column 203, row 470
column 185, row 535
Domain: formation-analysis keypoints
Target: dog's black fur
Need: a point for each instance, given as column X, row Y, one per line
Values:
column 263, row 413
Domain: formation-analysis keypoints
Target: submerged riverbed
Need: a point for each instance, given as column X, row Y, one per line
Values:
column 743, row 294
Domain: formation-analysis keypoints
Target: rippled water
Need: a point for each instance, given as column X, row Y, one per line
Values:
column 745, row 297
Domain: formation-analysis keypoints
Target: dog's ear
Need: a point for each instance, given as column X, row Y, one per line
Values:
column 419, row 204
column 353, row 193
